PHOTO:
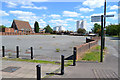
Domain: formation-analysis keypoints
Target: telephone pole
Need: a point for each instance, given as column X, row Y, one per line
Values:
column 104, row 25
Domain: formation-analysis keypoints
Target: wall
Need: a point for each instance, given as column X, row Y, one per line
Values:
column 7, row 30
column 80, row 50
column 15, row 33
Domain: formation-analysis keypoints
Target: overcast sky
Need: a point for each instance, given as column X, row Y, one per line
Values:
column 56, row 13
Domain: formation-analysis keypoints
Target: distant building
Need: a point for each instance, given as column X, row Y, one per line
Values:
column 81, row 24
column 7, row 30
column 78, row 25
column 56, row 28
column 21, row 26
column 59, row 28
column 42, row 30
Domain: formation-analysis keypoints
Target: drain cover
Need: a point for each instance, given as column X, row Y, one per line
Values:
column 10, row 69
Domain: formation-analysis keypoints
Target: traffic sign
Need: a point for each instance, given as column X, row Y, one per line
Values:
column 98, row 18
column 95, row 18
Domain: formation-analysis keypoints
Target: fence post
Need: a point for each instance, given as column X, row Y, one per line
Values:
column 74, row 56
column 38, row 72
column 17, row 49
column 3, row 51
column 62, row 64
column 31, row 52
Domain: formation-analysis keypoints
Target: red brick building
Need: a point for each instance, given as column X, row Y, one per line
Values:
column 21, row 26
column 7, row 30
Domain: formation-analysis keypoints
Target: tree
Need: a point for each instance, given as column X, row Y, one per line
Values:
column 48, row 29
column 36, row 27
column 2, row 26
column 113, row 29
column 83, row 31
column 96, row 28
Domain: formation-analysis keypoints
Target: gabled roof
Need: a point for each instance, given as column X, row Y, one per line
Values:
column 22, row 25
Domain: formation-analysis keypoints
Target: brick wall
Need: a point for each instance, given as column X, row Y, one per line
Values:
column 16, row 33
column 80, row 50
column 8, row 30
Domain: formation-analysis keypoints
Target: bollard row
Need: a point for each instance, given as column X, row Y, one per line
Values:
column 17, row 52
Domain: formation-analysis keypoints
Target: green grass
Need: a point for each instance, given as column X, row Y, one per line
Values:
column 69, row 62
column 99, row 47
column 57, row 50
column 29, row 60
column 113, row 36
column 93, row 54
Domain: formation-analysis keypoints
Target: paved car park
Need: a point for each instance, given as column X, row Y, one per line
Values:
column 44, row 46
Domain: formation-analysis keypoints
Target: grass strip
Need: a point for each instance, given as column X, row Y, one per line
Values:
column 34, row 61
column 93, row 54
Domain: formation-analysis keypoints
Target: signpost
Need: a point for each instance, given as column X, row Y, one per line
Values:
column 100, row 19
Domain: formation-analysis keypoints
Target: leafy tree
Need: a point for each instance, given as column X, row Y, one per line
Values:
column 36, row 27
column 81, row 31
column 96, row 28
column 113, row 29
column 2, row 26
column 48, row 29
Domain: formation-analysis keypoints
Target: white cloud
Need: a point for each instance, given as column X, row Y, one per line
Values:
column 58, row 22
column 114, row 7
column 108, row 13
column 3, row 13
column 25, row 16
column 86, row 9
column 94, row 3
column 82, row 16
column 42, row 23
column 70, row 14
column 87, row 17
column 23, row 2
column 55, row 16
column 21, row 13
column 5, row 22
column 11, row 4
column 70, row 20
column 34, row 7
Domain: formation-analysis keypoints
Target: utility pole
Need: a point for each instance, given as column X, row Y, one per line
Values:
column 102, row 36
column 104, row 25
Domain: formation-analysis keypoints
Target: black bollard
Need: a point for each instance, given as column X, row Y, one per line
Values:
column 3, row 51
column 31, row 52
column 38, row 72
column 74, row 56
column 17, row 49
column 62, row 64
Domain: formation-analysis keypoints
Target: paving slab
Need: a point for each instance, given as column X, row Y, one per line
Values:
column 26, row 69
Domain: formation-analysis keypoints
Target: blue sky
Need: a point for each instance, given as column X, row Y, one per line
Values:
column 56, row 13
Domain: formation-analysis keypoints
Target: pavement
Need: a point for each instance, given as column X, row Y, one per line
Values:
column 107, row 69
column 17, row 69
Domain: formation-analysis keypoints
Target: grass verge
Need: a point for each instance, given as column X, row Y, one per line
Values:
column 69, row 62
column 29, row 60
column 93, row 54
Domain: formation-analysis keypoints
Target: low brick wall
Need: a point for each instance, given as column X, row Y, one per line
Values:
column 15, row 33
column 80, row 50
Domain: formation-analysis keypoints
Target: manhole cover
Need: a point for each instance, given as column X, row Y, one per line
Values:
column 11, row 69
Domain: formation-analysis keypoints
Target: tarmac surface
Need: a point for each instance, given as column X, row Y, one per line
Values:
column 44, row 46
